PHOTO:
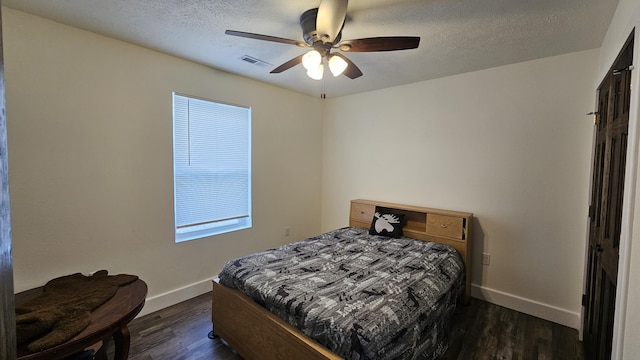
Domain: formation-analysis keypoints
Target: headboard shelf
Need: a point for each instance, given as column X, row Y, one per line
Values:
column 448, row 227
column 410, row 225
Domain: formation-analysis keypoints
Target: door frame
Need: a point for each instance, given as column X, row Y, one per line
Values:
column 624, row 264
column 628, row 205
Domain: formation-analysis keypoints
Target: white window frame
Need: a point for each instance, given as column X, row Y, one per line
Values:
column 221, row 222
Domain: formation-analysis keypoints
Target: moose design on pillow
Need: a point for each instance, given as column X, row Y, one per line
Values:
column 387, row 224
column 386, row 221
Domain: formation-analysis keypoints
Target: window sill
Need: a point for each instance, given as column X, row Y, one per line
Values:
column 197, row 234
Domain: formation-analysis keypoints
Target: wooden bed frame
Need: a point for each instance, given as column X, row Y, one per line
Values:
column 255, row 333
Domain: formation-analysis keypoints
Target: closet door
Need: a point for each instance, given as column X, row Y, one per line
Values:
column 7, row 312
column 605, row 211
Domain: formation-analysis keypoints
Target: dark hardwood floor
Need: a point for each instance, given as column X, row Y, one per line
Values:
column 480, row 331
column 486, row 331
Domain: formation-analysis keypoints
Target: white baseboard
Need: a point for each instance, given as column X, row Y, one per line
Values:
column 161, row 301
column 527, row 306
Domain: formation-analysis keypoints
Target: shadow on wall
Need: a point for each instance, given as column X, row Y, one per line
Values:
column 477, row 249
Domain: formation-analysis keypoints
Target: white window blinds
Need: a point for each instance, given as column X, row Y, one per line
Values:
column 212, row 167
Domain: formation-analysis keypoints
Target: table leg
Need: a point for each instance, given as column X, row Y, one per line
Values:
column 121, row 341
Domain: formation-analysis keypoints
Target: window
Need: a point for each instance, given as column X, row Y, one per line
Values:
column 211, row 167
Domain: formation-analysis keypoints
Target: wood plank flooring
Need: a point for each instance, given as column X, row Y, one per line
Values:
column 480, row 331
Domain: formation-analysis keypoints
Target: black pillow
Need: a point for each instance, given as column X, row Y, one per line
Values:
column 387, row 224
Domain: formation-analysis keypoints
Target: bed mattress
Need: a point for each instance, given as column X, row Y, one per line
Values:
column 361, row 296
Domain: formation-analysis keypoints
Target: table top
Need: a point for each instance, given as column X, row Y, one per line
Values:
column 105, row 320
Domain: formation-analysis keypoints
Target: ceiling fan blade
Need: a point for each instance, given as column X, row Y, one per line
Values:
column 266, row 38
column 352, row 70
column 288, row 65
column 385, row 43
column 331, row 15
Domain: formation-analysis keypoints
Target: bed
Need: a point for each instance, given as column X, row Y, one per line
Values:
column 372, row 314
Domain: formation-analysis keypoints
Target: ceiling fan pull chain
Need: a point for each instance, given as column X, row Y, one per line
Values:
column 323, row 95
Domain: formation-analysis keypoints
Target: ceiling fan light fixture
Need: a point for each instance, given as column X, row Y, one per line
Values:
column 337, row 65
column 311, row 60
column 316, row 73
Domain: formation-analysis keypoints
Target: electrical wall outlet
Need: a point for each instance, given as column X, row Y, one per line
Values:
column 486, row 258
column 287, row 231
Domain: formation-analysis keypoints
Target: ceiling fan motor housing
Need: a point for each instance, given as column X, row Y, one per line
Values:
column 308, row 25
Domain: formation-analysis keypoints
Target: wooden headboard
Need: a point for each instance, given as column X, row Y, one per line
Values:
column 452, row 228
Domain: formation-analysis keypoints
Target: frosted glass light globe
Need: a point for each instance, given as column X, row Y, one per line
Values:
column 337, row 65
column 311, row 60
column 316, row 73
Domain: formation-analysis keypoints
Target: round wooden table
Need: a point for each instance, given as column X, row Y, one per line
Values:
column 109, row 320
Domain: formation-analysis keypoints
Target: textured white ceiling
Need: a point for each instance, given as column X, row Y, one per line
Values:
column 457, row 36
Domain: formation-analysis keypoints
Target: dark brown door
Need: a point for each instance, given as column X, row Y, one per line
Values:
column 605, row 211
column 7, row 315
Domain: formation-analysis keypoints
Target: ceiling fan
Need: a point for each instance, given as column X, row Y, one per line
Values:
column 322, row 31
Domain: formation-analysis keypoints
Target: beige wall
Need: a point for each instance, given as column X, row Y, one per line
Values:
column 511, row 144
column 627, row 328
column 90, row 155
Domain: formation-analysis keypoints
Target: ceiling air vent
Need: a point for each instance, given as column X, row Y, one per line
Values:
column 254, row 61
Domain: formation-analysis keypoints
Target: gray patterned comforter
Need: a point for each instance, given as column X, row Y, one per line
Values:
column 361, row 296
